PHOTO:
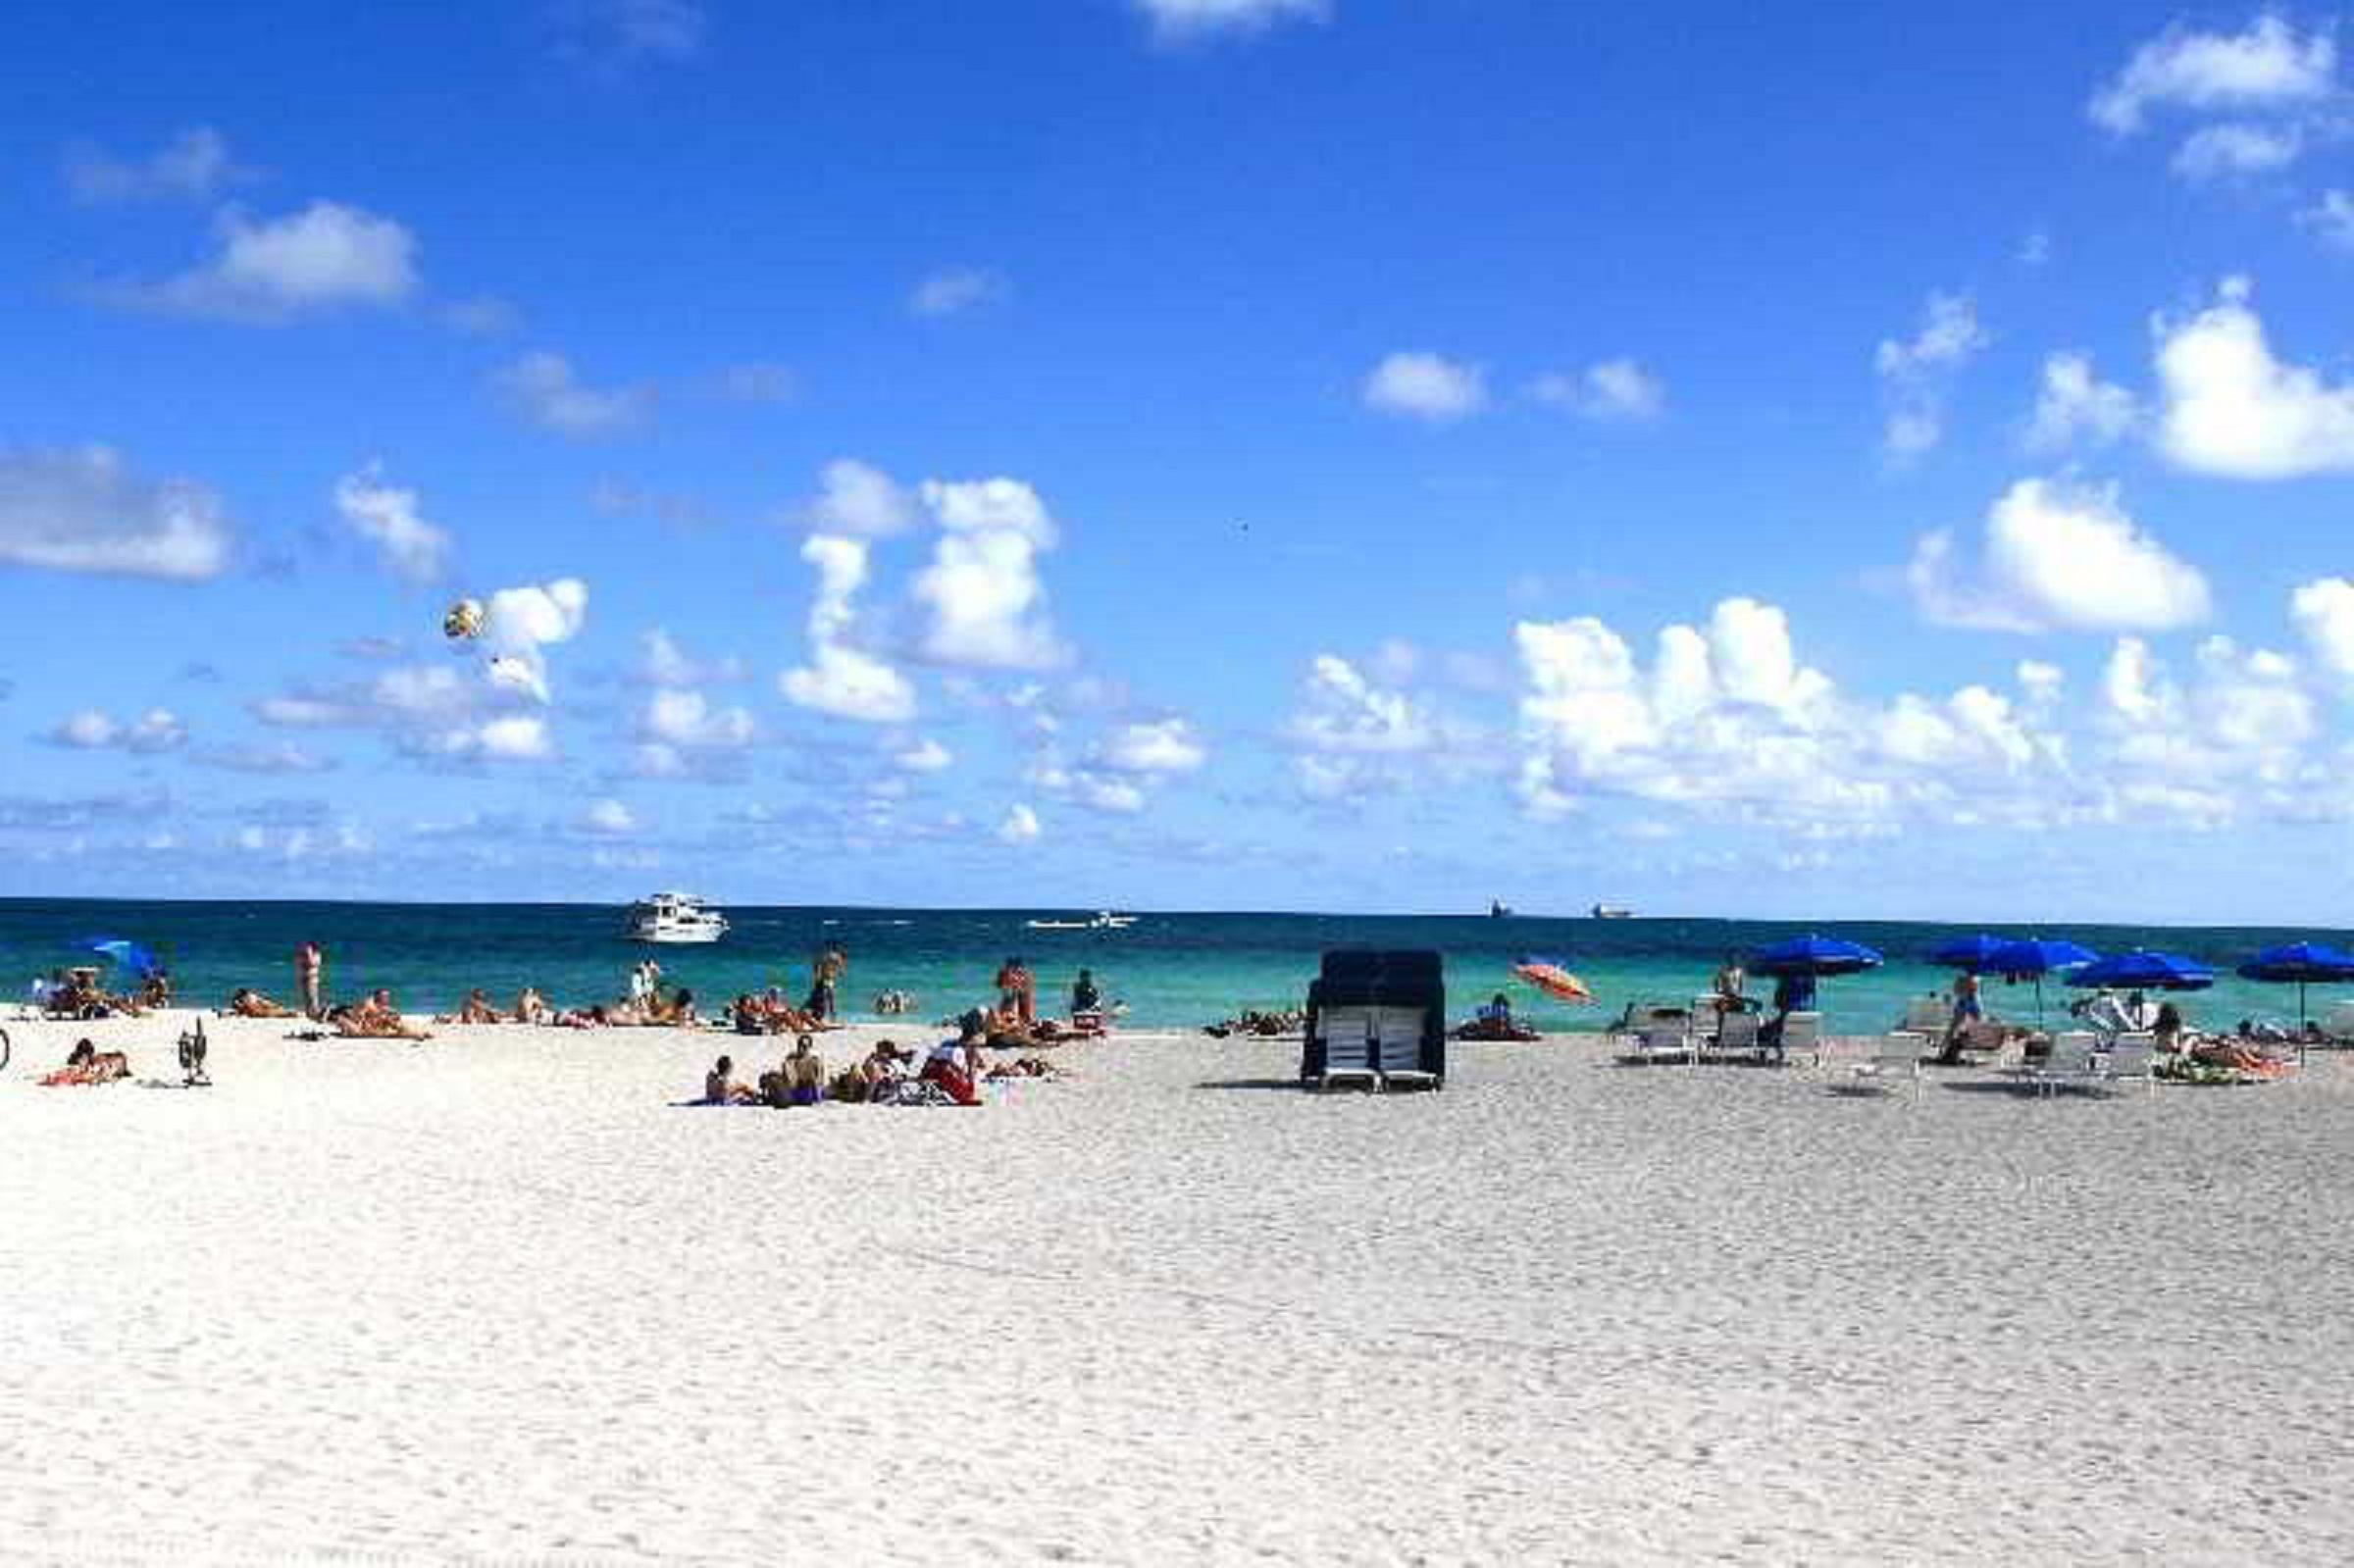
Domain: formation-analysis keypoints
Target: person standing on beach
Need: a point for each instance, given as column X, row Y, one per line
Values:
column 1017, row 989
column 831, row 964
column 310, row 965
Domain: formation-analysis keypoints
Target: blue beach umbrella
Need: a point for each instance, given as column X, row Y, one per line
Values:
column 1813, row 956
column 2143, row 970
column 2300, row 964
column 129, row 954
column 2037, row 957
column 1973, row 954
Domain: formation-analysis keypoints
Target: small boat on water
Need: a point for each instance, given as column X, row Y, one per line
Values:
column 1498, row 909
column 1612, row 912
column 1102, row 920
column 675, row 918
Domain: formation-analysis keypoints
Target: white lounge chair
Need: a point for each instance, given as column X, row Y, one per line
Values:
column 1659, row 1042
column 2131, row 1060
column 2338, row 1024
column 1925, row 1015
column 1348, row 1036
column 1895, row 1060
column 1802, row 1032
column 1737, row 1036
column 2069, row 1064
column 1398, row 1036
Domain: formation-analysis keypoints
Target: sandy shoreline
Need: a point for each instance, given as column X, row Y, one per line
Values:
column 494, row 1298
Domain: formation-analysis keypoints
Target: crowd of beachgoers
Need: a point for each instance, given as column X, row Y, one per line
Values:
column 1952, row 1027
column 951, row 1072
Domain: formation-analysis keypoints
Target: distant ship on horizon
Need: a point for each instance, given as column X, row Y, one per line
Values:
column 1612, row 912
column 1498, row 909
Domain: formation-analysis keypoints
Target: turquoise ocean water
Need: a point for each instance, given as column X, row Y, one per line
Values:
column 1173, row 970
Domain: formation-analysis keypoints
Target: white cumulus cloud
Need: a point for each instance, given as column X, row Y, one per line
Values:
column 83, row 510
column 2331, row 218
column 329, row 256
column 952, row 289
column 1168, row 745
column 925, row 756
column 1426, row 386
column 609, row 817
column 2075, row 404
column 1607, row 389
column 1179, row 20
column 2224, row 151
column 543, row 388
column 2323, row 612
column 2232, row 409
column 92, row 729
column 861, row 500
column 688, row 721
column 840, row 679
column 1913, row 371
column 387, row 518
column 2269, row 65
column 2058, row 555
column 1020, row 825
column 987, row 602
column 194, row 165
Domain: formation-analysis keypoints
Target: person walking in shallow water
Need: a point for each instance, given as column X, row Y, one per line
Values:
column 310, row 965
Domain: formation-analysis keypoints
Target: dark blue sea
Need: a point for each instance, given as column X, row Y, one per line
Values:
column 1173, row 970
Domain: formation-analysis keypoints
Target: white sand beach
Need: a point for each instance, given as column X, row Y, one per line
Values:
column 497, row 1298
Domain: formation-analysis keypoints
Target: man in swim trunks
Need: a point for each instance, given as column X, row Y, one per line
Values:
column 310, row 965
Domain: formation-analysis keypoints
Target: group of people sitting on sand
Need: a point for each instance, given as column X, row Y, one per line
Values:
column 1265, row 1025
column 767, row 1012
column 1496, row 1022
column 74, row 993
column 950, row 1073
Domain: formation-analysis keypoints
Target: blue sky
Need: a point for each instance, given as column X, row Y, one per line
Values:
column 1200, row 453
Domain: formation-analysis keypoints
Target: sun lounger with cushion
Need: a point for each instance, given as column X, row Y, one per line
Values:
column 1348, row 1036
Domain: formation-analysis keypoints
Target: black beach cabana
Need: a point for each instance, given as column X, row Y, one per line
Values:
column 1376, row 1017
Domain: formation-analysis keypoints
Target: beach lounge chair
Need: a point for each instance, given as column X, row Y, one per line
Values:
column 2071, row 1063
column 1737, row 1036
column 2338, row 1024
column 1658, row 1040
column 1348, row 1037
column 1398, row 1046
column 2131, row 1060
column 1800, row 1032
column 1895, row 1060
column 1925, row 1015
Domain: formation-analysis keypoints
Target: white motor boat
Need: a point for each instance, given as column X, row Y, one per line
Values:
column 1102, row 920
column 673, row 918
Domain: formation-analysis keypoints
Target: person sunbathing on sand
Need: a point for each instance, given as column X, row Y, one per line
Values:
column 245, row 1002
column 720, row 1088
column 2175, row 1037
column 476, row 1009
column 86, row 1064
column 376, row 1018
column 1026, row 1067
column 531, row 1008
